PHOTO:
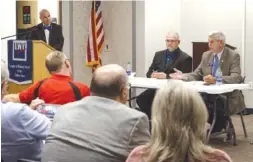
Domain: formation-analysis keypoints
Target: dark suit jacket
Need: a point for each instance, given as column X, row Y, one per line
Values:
column 182, row 62
column 56, row 38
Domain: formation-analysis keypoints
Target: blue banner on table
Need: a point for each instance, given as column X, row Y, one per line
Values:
column 20, row 61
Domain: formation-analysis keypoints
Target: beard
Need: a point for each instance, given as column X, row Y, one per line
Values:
column 171, row 49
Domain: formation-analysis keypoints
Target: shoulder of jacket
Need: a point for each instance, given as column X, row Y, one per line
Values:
column 184, row 55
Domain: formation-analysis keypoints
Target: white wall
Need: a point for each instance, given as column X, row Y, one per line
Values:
column 199, row 17
column 160, row 17
column 194, row 19
column 140, row 38
column 67, row 15
column 51, row 6
column 8, row 7
column 249, row 51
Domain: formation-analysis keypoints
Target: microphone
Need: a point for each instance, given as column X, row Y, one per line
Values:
column 29, row 30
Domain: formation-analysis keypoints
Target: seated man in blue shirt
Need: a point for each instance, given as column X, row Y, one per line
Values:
column 162, row 66
column 22, row 128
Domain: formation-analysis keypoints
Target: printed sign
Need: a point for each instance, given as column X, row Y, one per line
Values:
column 20, row 61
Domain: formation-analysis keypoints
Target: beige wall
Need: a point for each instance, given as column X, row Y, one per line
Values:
column 34, row 13
column 117, row 35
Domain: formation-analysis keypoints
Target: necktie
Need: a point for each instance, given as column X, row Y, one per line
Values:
column 47, row 27
column 215, row 65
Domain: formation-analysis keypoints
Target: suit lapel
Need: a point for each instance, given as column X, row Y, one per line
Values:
column 174, row 61
column 42, row 34
column 50, row 34
column 163, row 64
column 223, row 57
column 210, row 63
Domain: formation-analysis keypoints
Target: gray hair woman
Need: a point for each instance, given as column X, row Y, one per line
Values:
column 179, row 116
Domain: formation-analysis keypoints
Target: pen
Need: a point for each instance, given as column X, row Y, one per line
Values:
column 201, row 74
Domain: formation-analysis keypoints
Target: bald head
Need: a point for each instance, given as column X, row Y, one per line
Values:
column 109, row 81
column 45, row 17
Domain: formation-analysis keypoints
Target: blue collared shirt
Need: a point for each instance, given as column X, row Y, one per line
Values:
column 219, row 55
column 170, row 56
column 23, row 130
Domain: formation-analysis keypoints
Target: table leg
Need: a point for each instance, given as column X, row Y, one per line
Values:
column 213, row 122
column 231, row 129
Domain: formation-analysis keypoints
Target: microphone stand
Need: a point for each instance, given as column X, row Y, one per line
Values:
column 30, row 30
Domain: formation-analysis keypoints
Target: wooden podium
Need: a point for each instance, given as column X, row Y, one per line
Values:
column 198, row 49
column 37, row 55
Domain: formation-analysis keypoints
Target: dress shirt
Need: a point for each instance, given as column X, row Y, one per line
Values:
column 23, row 131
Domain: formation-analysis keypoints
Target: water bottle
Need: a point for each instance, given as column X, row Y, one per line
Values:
column 129, row 69
column 218, row 76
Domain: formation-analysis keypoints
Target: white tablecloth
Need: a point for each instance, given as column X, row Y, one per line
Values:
column 152, row 83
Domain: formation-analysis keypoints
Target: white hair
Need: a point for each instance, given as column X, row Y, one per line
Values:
column 218, row 35
column 173, row 34
column 4, row 72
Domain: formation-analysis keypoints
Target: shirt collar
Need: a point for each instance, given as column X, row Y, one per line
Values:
column 220, row 53
column 46, row 25
column 172, row 54
column 61, row 77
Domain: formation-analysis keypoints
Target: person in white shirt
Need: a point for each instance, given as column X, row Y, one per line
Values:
column 49, row 32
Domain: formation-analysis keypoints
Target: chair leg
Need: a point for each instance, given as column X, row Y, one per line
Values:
column 243, row 125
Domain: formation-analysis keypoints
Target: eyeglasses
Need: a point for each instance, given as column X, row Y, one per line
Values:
column 170, row 41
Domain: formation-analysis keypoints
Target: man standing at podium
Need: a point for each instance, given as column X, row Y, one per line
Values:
column 49, row 32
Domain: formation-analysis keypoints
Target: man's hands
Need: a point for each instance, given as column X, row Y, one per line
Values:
column 209, row 79
column 158, row 75
column 11, row 98
column 35, row 103
column 177, row 75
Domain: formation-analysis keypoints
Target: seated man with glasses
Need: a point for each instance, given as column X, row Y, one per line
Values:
column 57, row 89
column 163, row 64
column 100, row 127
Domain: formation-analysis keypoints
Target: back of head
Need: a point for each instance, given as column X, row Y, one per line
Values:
column 55, row 61
column 4, row 78
column 109, row 81
column 178, row 123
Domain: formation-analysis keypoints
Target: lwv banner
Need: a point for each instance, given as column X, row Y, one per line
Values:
column 20, row 61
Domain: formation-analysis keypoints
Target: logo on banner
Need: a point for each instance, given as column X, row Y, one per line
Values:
column 19, row 51
column 20, row 61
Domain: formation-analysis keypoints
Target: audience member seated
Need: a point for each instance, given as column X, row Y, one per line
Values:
column 99, row 128
column 58, row 89
column 22, row 128
column 163, row 64
column 178, row 128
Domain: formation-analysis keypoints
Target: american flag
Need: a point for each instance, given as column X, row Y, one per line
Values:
column 96, row 36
